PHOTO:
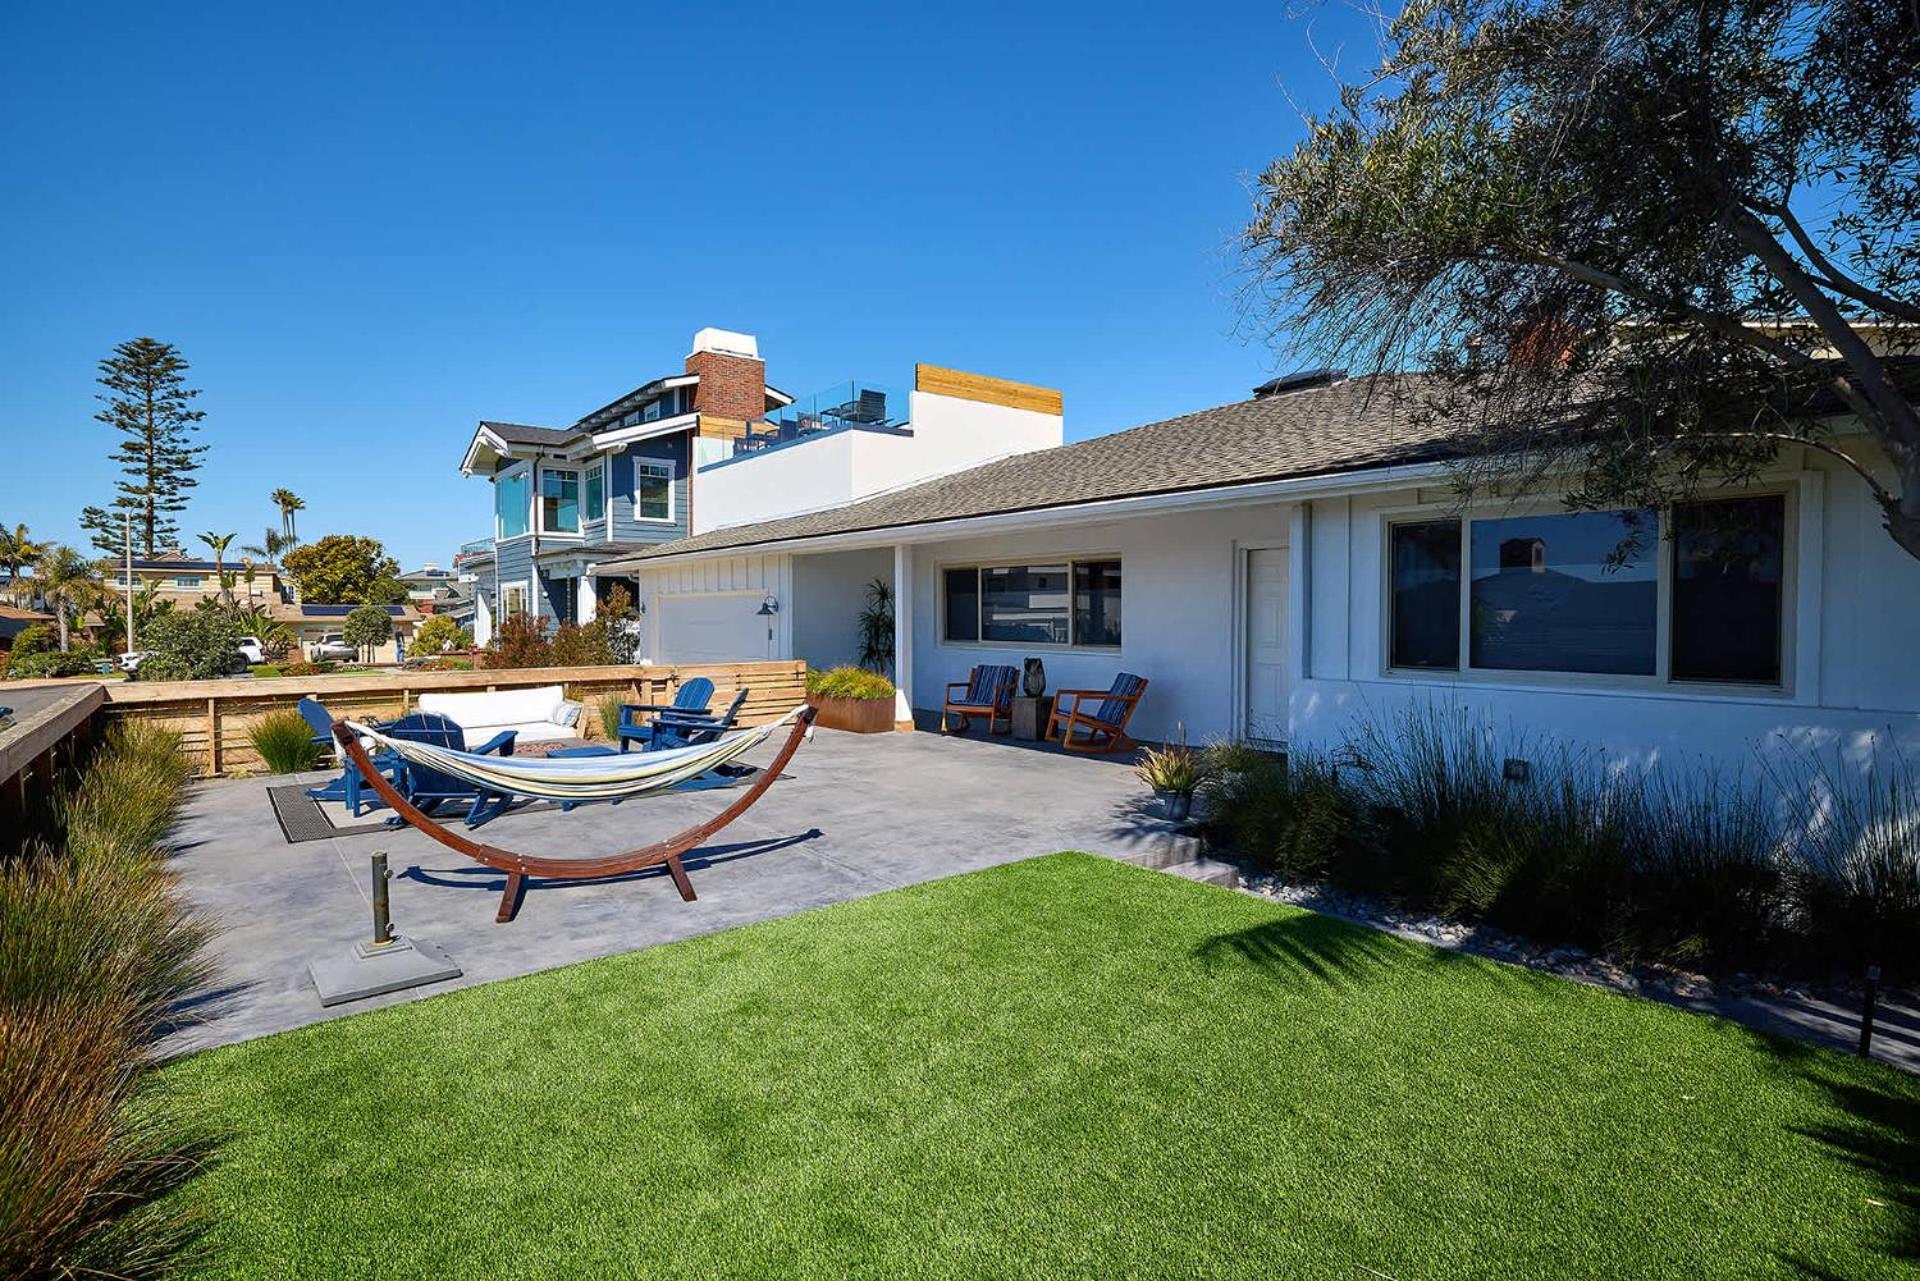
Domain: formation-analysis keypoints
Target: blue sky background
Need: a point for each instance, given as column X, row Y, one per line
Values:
column 369, row 227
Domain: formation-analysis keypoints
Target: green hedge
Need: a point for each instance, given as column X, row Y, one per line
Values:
column 849, row 682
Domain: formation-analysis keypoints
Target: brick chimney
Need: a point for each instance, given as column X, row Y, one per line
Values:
column 733, row 378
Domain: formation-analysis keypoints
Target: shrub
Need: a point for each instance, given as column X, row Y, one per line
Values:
column 519, row 641
column 52, row 662
column 1649, row 865
column 444, row 664
column 35, row 638
column 623, row 629
column 849, row 682
column 301, row 667
column 99, row 951
column 285, row 742
column 439, row 634
column 1174, row 769
column 609, row 709
column 581, row 645
column 190, row 644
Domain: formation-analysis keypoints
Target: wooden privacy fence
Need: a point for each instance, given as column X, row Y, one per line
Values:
column 213, row 718
column 39, row 745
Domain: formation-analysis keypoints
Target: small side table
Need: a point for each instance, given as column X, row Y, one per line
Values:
column 1030, row 716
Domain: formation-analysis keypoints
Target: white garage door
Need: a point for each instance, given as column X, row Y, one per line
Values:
column 713, row 629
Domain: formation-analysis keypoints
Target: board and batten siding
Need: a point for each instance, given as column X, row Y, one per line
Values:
column 770, row 575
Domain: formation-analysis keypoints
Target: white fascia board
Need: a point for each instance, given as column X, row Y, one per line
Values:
column 482, row 437
column 639, row 431
column 1293, row 489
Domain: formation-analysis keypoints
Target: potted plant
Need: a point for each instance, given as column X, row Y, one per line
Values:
column 1173, row 772
column 851, row 698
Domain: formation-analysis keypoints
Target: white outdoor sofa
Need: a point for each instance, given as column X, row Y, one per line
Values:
column 538, row 715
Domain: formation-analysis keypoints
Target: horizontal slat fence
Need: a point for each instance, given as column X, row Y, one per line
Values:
column 213, row 718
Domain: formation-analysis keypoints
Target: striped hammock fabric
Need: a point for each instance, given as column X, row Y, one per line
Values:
column 582, row 778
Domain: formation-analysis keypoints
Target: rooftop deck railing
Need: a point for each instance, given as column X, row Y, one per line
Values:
column 852, row 404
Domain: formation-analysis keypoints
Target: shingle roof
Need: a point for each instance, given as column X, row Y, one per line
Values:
column 522, row 434
column 1348, row 426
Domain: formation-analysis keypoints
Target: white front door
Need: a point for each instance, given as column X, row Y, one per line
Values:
column 725, row 627
column 1266, row 650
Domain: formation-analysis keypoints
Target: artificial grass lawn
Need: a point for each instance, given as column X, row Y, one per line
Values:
column 1062, row 1066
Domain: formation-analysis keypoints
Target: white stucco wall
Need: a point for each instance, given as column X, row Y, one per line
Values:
column 1178, row 624
column 948, row 434
column 1853, row 667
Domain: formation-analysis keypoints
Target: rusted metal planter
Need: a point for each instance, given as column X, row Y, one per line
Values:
column 856, row 715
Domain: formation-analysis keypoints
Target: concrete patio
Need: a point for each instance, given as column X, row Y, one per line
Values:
column 855, row 815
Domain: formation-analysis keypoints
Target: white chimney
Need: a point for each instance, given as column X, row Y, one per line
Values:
column 727, row 343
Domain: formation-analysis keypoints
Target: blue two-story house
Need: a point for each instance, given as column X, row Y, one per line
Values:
column 617, row 481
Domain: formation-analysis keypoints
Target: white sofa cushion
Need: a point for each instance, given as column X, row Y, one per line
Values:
column 530, row 732
column 567, row 715
column 496, row 710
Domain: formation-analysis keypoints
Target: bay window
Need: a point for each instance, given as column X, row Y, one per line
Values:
column 1057, row 604
column 559, row 501
column 1586, row 593
column 510, row 504
column 595, row 485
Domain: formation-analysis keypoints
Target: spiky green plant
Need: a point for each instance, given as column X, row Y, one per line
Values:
column 285, row 742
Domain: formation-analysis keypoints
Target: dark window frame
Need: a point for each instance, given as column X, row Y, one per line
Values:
column 1072, row 563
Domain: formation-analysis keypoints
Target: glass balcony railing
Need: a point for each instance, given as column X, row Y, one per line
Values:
column 477, row 549
column 854, row 404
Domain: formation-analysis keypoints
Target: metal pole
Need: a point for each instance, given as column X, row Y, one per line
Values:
column 382, row 922
column 130, row 644
column 1866, row 1011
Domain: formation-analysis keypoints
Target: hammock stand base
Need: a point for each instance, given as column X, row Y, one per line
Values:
column 519, row 867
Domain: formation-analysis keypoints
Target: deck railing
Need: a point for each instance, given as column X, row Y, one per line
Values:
column 42, row 744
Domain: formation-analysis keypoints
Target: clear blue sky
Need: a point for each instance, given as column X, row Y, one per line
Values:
column 368, row 228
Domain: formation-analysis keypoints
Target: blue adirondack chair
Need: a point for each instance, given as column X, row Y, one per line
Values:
column 350, row 789
column 685, row 729
column 428, row 789
column 691, row 699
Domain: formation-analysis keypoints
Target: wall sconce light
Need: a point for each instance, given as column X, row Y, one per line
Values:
column 769, row 607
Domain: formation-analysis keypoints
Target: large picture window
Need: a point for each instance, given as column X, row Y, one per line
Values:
column 1582, row 593
column 1056, row 604
column 652, row 490
column 510, row 504
column 559, row 501
column 1561, row 594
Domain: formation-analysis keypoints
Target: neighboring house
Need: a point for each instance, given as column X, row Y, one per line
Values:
column 309, row 623
column 185, row 579
column 713, row 446
column 14, row 620
column 1280, row 565
column 433, row 590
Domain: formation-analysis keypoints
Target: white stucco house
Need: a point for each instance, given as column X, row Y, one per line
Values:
column 1282, row 564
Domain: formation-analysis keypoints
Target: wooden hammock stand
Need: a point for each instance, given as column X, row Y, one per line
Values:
column 519, row 867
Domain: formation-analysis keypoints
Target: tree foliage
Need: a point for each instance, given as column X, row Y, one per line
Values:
column 344, row 569
column 148, row 402
column 438, row 634
column 367, row 627
column 66, row 582
column 191, row 644
column 1587, row 218
column 17, row 551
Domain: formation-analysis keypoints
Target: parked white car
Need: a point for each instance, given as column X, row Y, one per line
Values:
column 130, row 661
column 252, row 650
column 332, row 647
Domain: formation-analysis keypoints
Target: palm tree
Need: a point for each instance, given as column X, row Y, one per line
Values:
column 66, row 583
column 219, row 544
column 288, row 502
column 17, row 551
column 271, row 545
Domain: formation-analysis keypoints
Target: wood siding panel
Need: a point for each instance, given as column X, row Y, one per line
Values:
column 214, row 718
column 992, row 391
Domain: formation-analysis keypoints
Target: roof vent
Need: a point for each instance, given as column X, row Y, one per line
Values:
column 1300, row 381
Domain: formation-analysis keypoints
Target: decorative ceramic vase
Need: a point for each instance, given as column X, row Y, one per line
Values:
column 1033, row 682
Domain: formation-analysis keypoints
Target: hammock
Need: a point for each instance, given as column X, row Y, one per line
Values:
column 587, row 778
column 580, row 778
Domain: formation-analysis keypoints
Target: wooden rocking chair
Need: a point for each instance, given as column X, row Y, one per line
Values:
column 1103, row 725
column 988, row 692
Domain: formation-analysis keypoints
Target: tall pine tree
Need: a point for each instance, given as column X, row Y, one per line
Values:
column 147, row 400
